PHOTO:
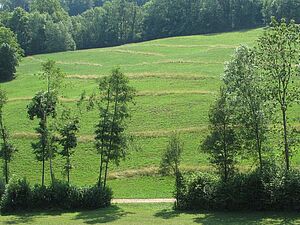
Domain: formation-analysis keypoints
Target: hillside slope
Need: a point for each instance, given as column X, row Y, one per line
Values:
column 177, row 79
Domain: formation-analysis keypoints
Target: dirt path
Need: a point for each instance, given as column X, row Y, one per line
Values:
column 133, row 201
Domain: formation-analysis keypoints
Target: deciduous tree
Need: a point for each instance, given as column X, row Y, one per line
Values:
column 7, row 149
column 278, row 52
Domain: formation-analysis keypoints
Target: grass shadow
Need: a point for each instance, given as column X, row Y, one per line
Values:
column 248, row 218
column 102, row 216
column 26, row 217
column 226, row 218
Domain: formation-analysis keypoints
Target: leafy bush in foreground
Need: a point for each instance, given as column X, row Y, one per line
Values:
column 271, row 189
column 20, row 196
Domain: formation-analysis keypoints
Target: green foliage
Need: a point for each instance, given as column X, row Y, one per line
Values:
column 288, row 9
column 51, row 7
column 8, row 62
column 10, row 54
column 8, row 37
column 19, row 24
column 58, row 37
column 111, row 140
column 7, row 149
column 17, row 196
column 13, row 4
column 247, row 95
column 43, row 104
column 272, row 189
column 43, row 107
column 172, row 156
column 278, row 57
column 20, row 196
column 222, row 144
column 68, row 139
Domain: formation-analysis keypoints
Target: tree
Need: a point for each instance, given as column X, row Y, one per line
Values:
column 172, row 156
column 10, row 54
column 288, row 9
column 68, row 139
column 58, row 38
column 222, row 143
column 19, row 24
column 8, row 62
column 171, row 161
column 278, row 52
column 43, row 107
column 37, row 23
column 51, row 7
column 111, row 140
column 7, row 149
column 10, row 5
column 76, row 7
column 245, row 87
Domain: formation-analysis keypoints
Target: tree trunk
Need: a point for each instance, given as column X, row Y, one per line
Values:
column 5, row 150
column 6, row 171
column 51, row 169
column 44, row 144
column 105, row 175
column 225, row 153
column 43, row 170
column 258, row 146
column 68, row 168
column 285, row 134
column 100, row 169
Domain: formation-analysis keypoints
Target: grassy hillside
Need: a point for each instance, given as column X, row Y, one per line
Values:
column 177, row 79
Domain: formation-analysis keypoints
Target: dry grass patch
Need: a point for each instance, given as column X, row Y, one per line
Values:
column 136, row 76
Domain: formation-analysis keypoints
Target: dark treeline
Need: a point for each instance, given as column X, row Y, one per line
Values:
column 61, row 25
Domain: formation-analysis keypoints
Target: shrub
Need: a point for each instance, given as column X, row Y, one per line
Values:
column 17, row 196
column 198, row 193
column 270, row 189
column 60, row 195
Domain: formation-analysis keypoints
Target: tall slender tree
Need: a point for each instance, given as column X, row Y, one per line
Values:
column 278, row 52
column 43, row 107
column 247, row 95
column 171, row 161
column 68, row 139
column 7, row 149
column 111, row 140
column 222, row 143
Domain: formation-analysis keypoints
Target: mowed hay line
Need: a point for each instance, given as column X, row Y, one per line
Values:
column 178, row 76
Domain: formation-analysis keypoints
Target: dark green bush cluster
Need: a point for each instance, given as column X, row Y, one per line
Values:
column 19, row 195
column 271, row 189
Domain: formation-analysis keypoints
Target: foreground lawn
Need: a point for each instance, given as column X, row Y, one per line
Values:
column 150, row 214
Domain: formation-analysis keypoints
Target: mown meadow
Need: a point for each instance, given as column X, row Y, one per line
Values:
column 177, row 79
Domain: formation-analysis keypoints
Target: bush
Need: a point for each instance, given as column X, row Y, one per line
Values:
column 17, row 196
column 270, row 189
column 60, row 195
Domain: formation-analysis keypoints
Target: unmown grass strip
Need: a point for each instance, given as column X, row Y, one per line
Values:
column 191, row 46
column 139, row 94
column 66, row 63
column 142, row 134
column 134, row 52
column 147, row 75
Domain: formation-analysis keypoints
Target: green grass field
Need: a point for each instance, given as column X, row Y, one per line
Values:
column 177, row 79
column 150, row 214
